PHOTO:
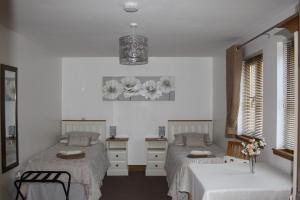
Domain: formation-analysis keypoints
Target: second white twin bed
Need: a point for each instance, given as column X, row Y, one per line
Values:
column 177, row 160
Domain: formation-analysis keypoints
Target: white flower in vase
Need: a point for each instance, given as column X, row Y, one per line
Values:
column 254, row 147
column 112, row 89
column 166, row 84
column 150, row 90
column 131, row 86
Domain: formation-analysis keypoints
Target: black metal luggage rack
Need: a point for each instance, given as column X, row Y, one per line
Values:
column 43, row 177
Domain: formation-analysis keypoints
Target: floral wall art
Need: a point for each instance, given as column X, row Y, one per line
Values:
column 139, row 88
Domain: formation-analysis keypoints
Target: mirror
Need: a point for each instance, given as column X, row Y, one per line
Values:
column 9, row 118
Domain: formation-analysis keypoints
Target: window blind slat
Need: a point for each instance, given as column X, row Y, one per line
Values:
column 252, row 97
column 289, row 92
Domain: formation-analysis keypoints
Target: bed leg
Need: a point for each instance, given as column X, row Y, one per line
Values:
column 189, row 196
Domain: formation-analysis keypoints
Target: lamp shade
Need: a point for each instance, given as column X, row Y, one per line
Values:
column 133, row 50
column 161, row 131
column 112, row 131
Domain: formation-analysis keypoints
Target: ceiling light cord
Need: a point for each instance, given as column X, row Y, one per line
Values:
column 133, row 26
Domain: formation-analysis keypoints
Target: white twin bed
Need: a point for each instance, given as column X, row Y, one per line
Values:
column 87, row 173
column 177, row 161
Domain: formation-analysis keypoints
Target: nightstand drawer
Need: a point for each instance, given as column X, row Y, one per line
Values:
column 156, row 155
column 155, row 165
column 157, row 145
column 117, row 145
column 117, row 155
column 118, row 165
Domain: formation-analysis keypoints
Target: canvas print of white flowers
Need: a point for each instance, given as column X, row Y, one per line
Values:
column 112, row 89
column 166, row 84
column 131, row 86
column 151, row 90
column 139, row 88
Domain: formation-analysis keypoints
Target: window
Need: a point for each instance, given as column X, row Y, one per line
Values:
column 289, row 96
column 251, row 107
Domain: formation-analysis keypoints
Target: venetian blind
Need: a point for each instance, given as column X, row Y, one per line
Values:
column 252, row 97
column 289, row 93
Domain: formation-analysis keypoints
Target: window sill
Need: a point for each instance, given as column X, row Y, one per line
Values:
column 244, row 138
column 284, row 153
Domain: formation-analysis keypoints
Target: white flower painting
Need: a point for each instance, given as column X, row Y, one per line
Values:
column 140, row 88
column 131, row 86
column 151, row 90
column 166, row 84
column 112, row 89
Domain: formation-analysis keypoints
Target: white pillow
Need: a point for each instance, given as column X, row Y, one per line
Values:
column 92, row 135
column 179, row 139
column 94, row 142
column 79, row 140
column 192, row 137
column 66, row 141
column 195, row 140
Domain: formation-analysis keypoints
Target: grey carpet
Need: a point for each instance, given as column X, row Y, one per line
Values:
column 136, row 186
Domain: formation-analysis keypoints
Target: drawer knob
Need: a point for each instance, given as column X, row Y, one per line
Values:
column 117, row 165
column 156, row 165
column 156, row 156
column 117, row 156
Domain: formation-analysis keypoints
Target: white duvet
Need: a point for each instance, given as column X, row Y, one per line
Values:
column 88, row 172
column 177, row 167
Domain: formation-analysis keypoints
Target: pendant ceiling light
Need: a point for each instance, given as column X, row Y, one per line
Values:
column 133, row 48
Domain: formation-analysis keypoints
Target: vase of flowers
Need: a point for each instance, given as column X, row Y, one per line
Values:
column 252, row 149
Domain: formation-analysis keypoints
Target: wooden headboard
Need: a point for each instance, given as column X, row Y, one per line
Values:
column 98, row 126
column 187, row 126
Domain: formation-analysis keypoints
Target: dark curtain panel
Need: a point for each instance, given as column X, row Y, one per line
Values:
column 234, row 56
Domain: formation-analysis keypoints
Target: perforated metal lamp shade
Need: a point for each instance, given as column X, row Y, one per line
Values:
column 133, row 50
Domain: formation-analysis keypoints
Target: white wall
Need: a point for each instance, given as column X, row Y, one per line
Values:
column 82, row 96
column 219, row 103
column 39, row 106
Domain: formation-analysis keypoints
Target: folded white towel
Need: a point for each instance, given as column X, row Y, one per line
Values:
column 200, row 153
column 71, row 152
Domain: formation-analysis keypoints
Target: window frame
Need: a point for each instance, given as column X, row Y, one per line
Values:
column 249, row 62
column 281, row 151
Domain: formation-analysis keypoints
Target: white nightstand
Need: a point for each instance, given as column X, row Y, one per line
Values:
column 156, row 149
column 117, row 150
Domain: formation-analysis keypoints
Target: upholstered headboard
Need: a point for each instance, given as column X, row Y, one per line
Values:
column 98, row 126
column 187, row 126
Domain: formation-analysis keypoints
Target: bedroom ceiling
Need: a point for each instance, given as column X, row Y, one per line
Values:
column 88, row 28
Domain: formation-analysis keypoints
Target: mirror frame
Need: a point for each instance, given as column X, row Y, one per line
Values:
column 6, row 168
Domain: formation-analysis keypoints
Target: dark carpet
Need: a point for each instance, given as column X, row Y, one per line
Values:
column 136, row 186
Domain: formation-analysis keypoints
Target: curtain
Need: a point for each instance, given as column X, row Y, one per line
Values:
column 234, row 56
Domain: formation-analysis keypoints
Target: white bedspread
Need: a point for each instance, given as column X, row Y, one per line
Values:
column 88, row 171
column 177, row 167
column 235, row 182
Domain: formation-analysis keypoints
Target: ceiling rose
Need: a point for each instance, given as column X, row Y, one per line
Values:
column 131, row 6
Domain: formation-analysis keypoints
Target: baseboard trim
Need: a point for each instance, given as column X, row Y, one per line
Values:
column 137, row 168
